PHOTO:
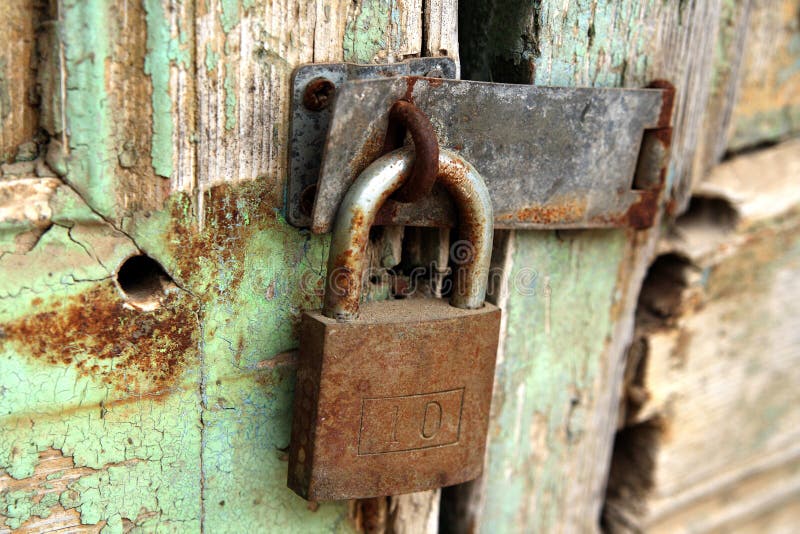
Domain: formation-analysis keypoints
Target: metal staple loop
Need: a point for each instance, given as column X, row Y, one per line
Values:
column 360, row 206
column 405, row 116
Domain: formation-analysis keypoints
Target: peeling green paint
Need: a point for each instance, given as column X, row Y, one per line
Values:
column 86, row 50
column 561, row 291
column 230, row 98
column 365, row 34
column 605, row 47
column 161, row 472
column 212, row 58
column 248, row 319
column 161, row 49
column 217, row 436
column 229, row 17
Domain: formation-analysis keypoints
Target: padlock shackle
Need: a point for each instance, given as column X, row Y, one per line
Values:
column 360, row 206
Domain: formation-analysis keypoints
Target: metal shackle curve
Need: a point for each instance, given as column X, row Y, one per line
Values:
column 360, row 206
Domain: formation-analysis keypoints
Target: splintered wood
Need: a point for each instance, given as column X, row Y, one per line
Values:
column 711, row 427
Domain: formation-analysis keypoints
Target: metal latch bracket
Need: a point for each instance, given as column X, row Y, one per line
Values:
column 552, row 157
column 314, row 88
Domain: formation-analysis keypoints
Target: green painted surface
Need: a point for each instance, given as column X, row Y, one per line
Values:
column 86, row 48
column 251, row 305
column 229, row 17
column 230, row 97
column 562, row 290
column 176, row 417
column 156, row 65
column 212, row 58
column 201, row 441
column 162, row 51
column 365, row 34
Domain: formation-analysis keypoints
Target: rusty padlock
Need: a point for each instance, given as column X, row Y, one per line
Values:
column 394, row 397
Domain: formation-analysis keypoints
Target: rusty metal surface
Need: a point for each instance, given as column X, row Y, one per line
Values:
column 359, row 209
column 313, row 87
column 394, row 402
column 551, row 157
column 406, row 117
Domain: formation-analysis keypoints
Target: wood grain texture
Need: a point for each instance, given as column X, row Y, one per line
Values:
column 168, row 125
column 562, row 365
column 18, row 99
column 768, row 105
column 718, row 373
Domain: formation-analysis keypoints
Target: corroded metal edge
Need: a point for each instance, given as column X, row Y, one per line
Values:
column 551, row 157
column 309, row 127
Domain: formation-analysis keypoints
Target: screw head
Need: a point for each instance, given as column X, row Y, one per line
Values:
column 318, row 94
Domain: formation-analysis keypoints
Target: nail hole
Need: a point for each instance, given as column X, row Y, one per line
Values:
column 143, row 282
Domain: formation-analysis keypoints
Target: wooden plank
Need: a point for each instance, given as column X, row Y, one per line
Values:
column 169, row 138
column 559, row 375
column 717, row 375
column 768, row 105
column 18, row 110
column 118, row 65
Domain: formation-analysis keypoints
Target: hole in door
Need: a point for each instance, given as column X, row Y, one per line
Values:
column 143, row 282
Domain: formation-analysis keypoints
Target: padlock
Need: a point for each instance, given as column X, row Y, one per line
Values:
column 393, row 396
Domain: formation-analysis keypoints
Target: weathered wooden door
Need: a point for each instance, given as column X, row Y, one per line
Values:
column 150, row 285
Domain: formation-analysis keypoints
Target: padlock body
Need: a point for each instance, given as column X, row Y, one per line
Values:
column 394, row 402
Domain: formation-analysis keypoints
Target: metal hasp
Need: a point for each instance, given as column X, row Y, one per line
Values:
column 552, row 157
column 314, row 88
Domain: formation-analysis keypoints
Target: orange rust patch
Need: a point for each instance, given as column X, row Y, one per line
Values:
column 565, row 211
column 411, row 81
column 134, row 351
column 642, row 213
column 232, row 213
column 667, row 101
column 664, row 135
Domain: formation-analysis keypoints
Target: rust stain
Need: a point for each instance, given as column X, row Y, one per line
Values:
column 232, row 214
column 667, row 101
column 318, row 94
column 133, row 351
column 664, row 135
column 411, row 81
column 560, row 211
column 331, row 459
column 642, row 213
column 639, row 216
column 434, row 82
column 406, row 117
